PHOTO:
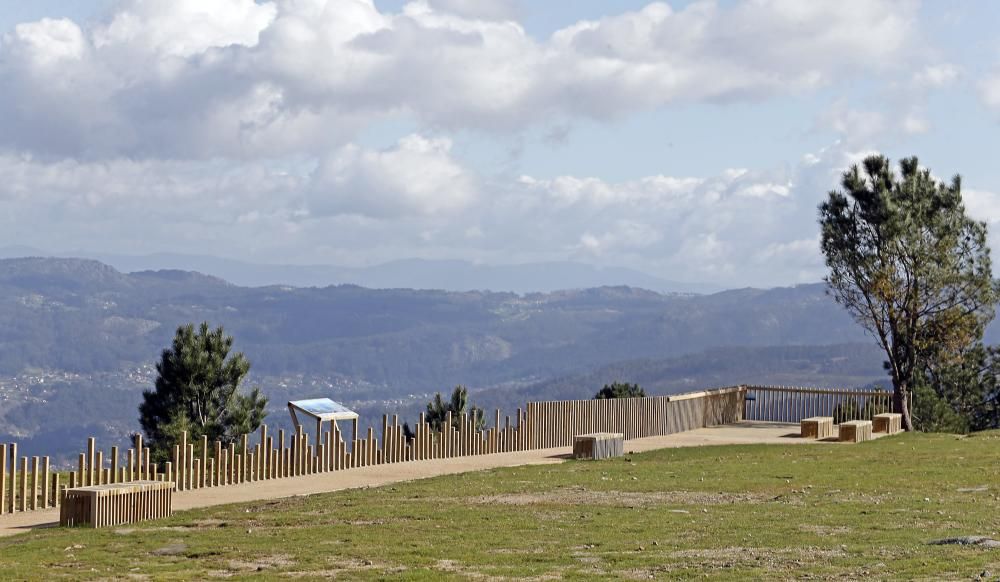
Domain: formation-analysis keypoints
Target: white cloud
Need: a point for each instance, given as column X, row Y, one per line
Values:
column 937, row 76
column 235, row 131
column 914, row 123
column 481, row 9
column 238, row 78
column 363, row 205
column 982, row 205
column 416, row 177
column 989, row 90
column 185, row 28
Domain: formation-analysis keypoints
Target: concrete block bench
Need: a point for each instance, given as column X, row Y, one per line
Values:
column 855, row 431
column 816, row 427
column 117, row 504
column 599, row 445
column 888, row 422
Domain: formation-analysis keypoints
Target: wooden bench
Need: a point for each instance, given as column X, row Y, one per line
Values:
column 888, row 422
column 855, row 431
column 117, row 504
column 816, row 427
column 599, row 445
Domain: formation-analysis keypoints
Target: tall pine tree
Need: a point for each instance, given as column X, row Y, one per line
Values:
column 910, row 266
column 198, row 390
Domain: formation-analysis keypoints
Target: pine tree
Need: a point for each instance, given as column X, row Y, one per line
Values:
column 910, row 266
column 198, row 390
column 458, row 404
column 620, row 390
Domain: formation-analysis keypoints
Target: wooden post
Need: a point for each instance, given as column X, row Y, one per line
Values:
column 182, row 464
column 421, row 438
column 3, row 479
column 140, row 473
column 499, row 443
column 90, row 477
column 327, row 451
column 56, row 494
column 24, row 484
column 114, row 464
column 82, row 469
column 219, row 480
column 178, row 484
column 262, row 461
column 33, row 493
column 294, row 452
column 202, row 478
column 245, row 448
column 372, row 445
column 99, row 468
column 270, row 468
column 190, row 479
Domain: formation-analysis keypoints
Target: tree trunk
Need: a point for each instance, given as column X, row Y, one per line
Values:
column 901, row 404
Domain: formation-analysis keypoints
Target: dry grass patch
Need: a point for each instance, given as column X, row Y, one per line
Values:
column 630, row 499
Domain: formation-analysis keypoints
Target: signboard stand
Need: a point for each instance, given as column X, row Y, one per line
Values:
column 320, row 409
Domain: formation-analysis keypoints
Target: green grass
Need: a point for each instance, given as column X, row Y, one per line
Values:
column 733, row 512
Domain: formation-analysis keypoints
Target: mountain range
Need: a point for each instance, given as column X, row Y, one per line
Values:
column 447, row 275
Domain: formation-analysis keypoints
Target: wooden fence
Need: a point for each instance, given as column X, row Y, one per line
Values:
column 267, row 456
column 788, row 404
column 554, row 424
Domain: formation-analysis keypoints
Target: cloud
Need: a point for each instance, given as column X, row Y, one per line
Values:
column 184, row 28
column 481, row 9
column 989, row 90
column 238, row 78
column 416, row 177
column 937, row 76
column 362, row 205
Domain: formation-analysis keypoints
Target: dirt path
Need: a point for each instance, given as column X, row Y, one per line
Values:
column 385, row 474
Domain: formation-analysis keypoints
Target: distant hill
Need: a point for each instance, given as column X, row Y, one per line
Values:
column 82, row 315
column 841, row 365
column 410, row 273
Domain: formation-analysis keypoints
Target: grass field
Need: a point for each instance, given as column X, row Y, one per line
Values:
column 731, row 512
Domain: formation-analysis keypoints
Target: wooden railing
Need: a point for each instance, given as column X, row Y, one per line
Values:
column 265, row 456
column 792, row 404
column 554, row 424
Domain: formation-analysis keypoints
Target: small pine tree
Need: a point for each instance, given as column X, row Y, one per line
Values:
column 458, row 404
column 198, row 390
column 620, row 390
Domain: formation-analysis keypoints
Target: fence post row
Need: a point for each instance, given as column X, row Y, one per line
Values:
column 539, row 425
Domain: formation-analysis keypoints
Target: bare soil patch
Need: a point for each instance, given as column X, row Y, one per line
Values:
column 579, row 496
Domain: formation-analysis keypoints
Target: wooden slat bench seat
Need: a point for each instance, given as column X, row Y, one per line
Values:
column 888, row 422
column 117, row 504
column 855, row 431
column 599, row 445
column 816, row 427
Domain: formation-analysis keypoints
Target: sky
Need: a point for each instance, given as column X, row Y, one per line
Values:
column 689, row 140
